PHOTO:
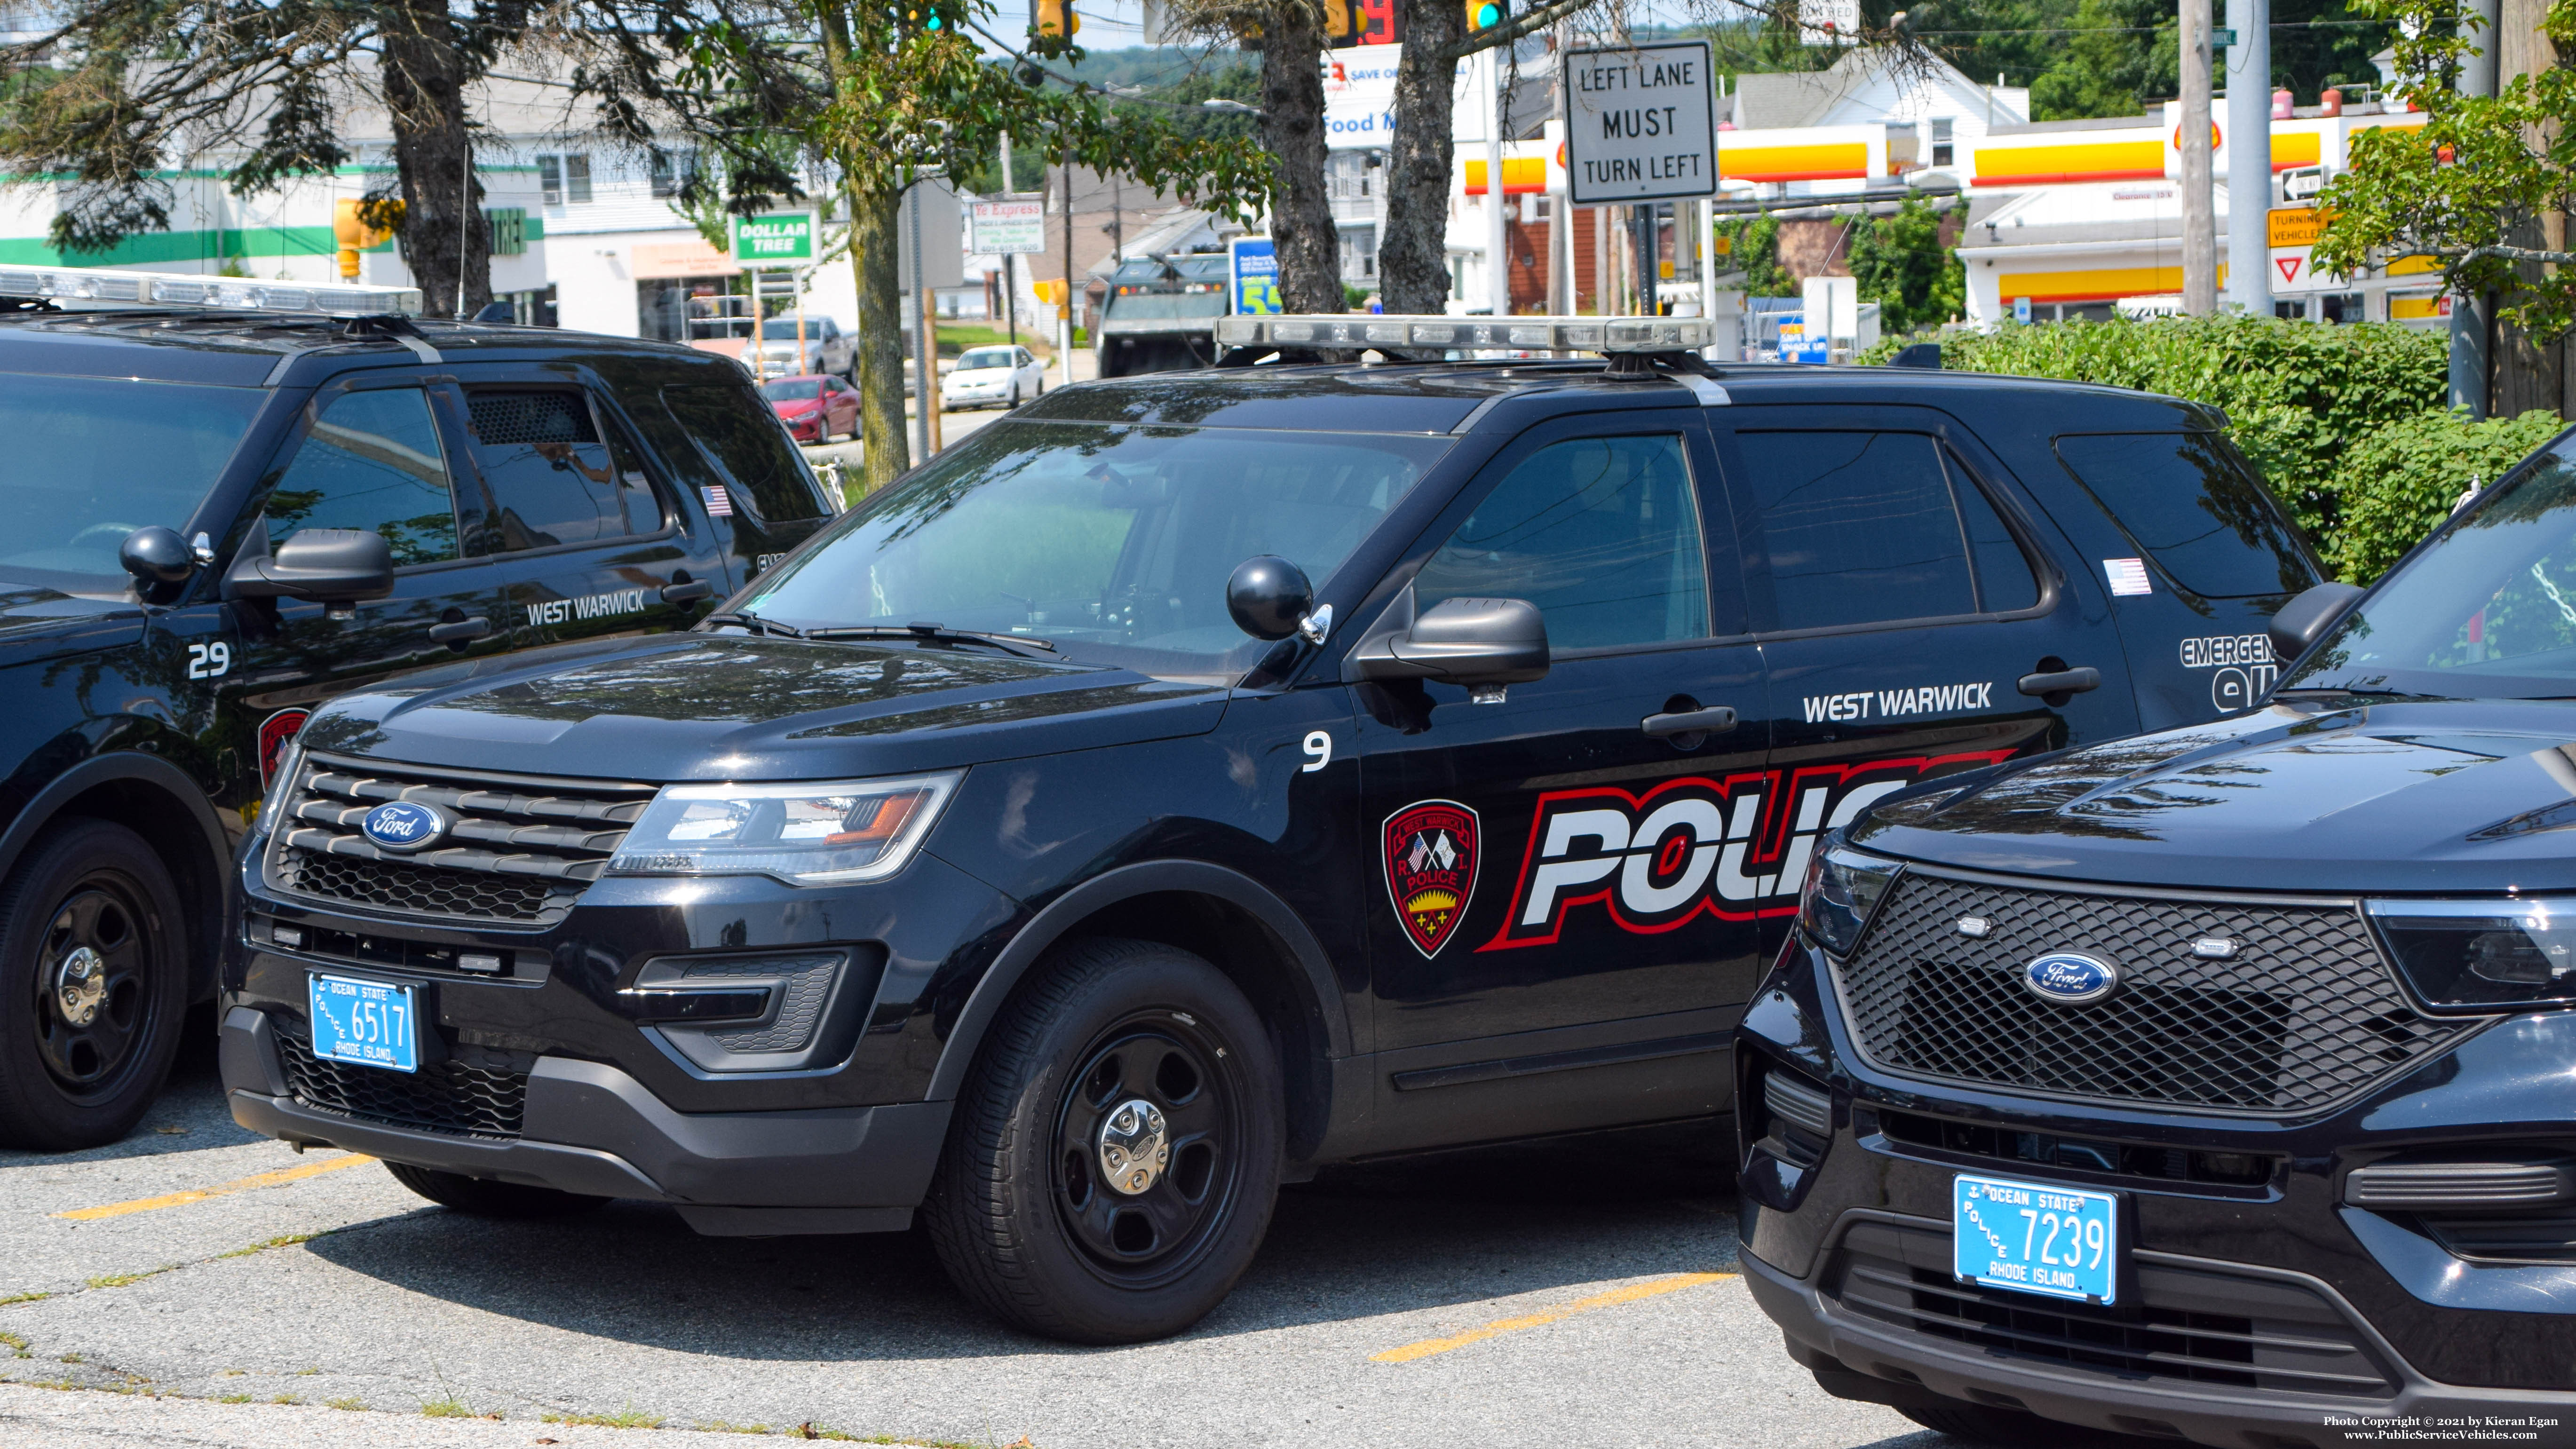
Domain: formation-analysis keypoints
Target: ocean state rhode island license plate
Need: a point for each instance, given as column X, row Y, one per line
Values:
column 365, row 1022
column 2035, row 1238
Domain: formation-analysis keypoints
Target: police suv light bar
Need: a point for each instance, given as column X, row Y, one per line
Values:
column 110, row 288
column 1542, row 334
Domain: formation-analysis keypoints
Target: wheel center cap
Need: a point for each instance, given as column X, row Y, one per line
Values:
column 1133, row 1150
column 80, row 986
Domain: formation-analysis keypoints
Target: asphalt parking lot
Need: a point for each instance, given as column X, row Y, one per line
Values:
column 1544, row 1296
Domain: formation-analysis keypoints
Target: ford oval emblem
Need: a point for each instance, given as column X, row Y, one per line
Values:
column 2070, row 978
column 403, row 825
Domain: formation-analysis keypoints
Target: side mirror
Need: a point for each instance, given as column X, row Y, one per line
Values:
column 1268, row 596
column 1478, row 643
column 156, row 556
column 325, row 565
column 2305, row 619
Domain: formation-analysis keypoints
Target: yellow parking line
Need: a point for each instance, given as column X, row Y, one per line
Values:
column 179, row 1199
column 1653, row 1288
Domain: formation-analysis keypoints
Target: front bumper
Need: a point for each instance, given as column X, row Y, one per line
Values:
column 590, row 1128
column 2265, row 1313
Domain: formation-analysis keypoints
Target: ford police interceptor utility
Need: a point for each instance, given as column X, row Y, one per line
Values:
column 2211, row 1084
column 223, row 502
column 1193, row 779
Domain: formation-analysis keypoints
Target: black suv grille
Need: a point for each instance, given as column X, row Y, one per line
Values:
column 518, row 849
column 480, row 1090
column 2301, row 1016
column 2190, row 1324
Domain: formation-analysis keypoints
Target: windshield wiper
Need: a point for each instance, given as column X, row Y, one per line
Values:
column 756, row 624
column 929, row 633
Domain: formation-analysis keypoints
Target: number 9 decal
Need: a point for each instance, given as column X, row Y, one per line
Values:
column 1319, row 752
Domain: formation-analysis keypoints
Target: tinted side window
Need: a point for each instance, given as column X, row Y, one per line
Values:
column 746, row 445
column 2196, row 507
column 553, row 477
column 1857, row 528
column 1601, row 533
column 372, row 462
column 2004, row 579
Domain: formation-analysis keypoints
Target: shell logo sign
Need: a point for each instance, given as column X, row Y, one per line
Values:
column 2125, row 155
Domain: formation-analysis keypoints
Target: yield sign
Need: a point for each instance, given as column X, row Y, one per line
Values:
column 2289, row 267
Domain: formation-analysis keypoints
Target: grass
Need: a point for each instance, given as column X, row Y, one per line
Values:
column 16, row 1345
column 232, row 1398
column 288, row 1399
column 286, row 1241
column 7, row 1299
column 352, row 1405
column 127, row 1280
column 628, row 1418
column 70, row 1358
column 446, row 1409
column 956, row 337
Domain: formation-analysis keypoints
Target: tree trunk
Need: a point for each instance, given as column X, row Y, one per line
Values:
column 1413, row 251
column 2522, row 375
column 444, row 238
column 873, row 220
column 1292, row 130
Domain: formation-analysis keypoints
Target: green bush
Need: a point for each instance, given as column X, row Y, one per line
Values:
column 2399, row 483
column 2298, row 396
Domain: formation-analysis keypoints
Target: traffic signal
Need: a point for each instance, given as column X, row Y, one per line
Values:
column 1486, row 14
column 1054, row 19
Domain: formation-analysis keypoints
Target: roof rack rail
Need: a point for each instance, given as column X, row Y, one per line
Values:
column 1357, row 332
column 87, row 289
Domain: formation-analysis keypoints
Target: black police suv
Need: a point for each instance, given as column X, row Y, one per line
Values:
column 1037, row 849
column 2218, row 1083
column 210, row 522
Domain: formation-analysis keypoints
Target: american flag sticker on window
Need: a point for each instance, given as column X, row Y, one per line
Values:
column 2127, row 575
column 721, row 506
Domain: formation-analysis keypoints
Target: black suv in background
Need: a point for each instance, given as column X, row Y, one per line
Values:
column 1037, row 848
column 2213, row 1084
column 211, row 522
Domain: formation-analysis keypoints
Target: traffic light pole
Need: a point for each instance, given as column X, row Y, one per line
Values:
column 1498, row 265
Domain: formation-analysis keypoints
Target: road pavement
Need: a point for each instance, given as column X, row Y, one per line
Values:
column 199, row 1285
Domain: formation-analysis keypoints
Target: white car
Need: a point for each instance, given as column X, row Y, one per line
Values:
column 992, row 377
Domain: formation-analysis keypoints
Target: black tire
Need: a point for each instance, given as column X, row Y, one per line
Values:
column 1020, row 1209
column 93, row 986
column 485, row 1198
column 2012, row 1429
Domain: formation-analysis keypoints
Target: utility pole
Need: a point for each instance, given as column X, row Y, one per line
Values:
column 925, row 391
column 2249, row 167
column 1064, row 319
column 1498, row 268
column 2471, row 322
column 2199, row 222
column 1010, row 284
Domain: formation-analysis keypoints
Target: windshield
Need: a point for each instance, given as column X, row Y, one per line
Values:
column 984, row 357
column 2487, row 610
column 793, row 389
column 92, row 459
column 784, row 328
column 1166, row 306
column 1113, row 543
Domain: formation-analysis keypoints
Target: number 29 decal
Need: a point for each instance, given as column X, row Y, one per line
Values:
column 210, row 661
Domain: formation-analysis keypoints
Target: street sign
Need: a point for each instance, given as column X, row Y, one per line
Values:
column 1254, row 265
column 2294, row 226
column 1828, row 22
column 1015, row 228
column 1640, row 123
column 779, row 239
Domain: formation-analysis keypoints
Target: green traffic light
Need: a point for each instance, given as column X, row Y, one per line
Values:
column 1488, row 16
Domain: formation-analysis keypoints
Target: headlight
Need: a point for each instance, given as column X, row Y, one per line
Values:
column 2483, row 955
column 804, row 833
column 1843, row 888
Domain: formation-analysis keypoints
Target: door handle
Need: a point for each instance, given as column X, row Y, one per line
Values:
column 1689, row 722
column 458, row 631
column 2060, row 682
column 684, row 593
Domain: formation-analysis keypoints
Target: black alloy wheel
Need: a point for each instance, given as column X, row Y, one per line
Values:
column 1150, row 1138
column 91, row 954
column 1112, row 1164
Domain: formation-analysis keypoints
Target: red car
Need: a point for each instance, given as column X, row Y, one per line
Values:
column 816, row 408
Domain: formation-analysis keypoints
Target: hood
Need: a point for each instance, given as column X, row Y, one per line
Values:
column 2404, row 797
column 41, row 623
column 727, row 707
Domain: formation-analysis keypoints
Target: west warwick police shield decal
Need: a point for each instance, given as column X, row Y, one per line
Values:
column 1432, row 850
